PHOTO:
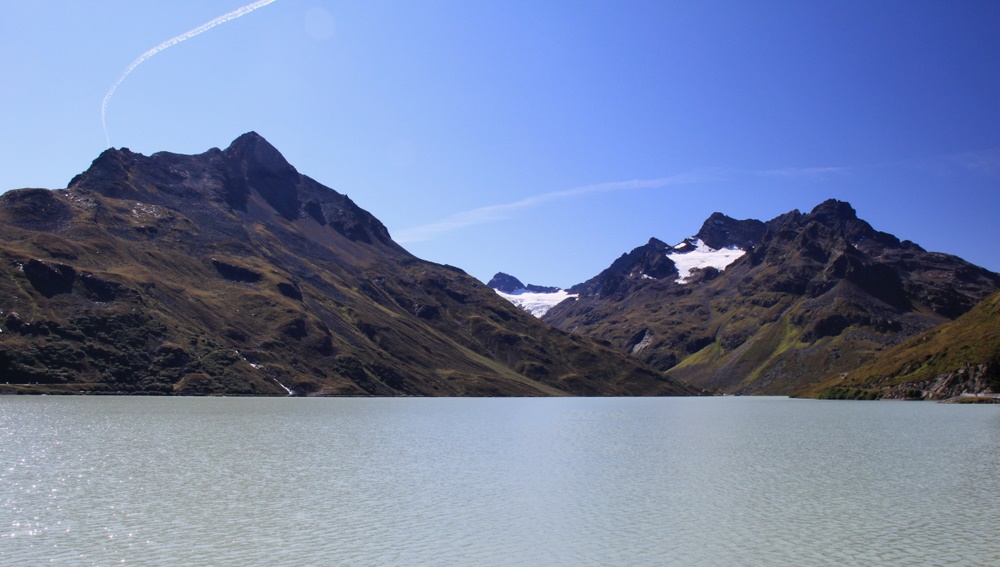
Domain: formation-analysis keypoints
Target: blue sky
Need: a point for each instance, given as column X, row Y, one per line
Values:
column 543, row 139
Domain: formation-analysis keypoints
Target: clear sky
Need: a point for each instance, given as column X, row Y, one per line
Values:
column 541, row 138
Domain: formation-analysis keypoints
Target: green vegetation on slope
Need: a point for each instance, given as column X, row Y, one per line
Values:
column 959, row 356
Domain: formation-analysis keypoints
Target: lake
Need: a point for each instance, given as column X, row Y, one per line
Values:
column 545, row 481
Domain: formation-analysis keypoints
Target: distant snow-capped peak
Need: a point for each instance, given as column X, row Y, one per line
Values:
column 644, row 263
column 534, row 299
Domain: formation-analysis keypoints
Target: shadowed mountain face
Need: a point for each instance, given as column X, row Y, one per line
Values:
column 815, row 295
column 228, row 272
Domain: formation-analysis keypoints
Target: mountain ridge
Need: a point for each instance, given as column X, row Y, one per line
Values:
column 814, row 294
column 229, row 272
column 509, row 284
column 695, row 258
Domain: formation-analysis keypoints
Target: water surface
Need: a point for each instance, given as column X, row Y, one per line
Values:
column 567, row 481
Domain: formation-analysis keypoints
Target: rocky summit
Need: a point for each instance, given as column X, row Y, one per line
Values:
column 772, row 307
column 506, row 283
column 229, row 272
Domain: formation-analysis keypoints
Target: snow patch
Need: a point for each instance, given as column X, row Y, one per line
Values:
column 695, row 254
column 286, row 388
column 536, row 303
column 290, row 391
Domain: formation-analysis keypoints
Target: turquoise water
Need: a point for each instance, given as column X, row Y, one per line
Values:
column 569, row 481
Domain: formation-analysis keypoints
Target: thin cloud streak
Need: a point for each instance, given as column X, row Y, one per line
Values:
column 983, row 162
column 241, row 11
column 802, row 171
column 502, row 211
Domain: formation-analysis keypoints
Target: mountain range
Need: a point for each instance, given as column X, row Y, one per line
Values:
column 229, row 272
column 776, row 307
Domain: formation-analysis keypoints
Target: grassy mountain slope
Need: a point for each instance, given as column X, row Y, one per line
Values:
column 958, row 357
column 230, row 272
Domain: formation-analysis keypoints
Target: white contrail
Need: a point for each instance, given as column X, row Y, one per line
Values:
column 174, row 41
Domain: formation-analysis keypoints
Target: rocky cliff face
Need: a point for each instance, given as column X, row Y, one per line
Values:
column 505, row 283
column 229, row 272
column 721, row 231
column 815, row 294
column 978, row 380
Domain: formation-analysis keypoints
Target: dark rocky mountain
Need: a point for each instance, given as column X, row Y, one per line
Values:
column 815, row 295
column 651, row 261
column 229, row 272
column 643, row 263
column 721, row 231
column 505, row 283
column 509, row 284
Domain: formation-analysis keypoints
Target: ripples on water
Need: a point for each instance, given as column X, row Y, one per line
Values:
column 670, row 481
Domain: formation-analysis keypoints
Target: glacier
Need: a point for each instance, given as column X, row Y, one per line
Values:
column 694, row 254
column 690, row 255
column 536, row 303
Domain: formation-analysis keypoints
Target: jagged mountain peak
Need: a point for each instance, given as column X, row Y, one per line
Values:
column 826, row 231
column 505, row 283
column 249, row 178
column 508, row 284
column 230, row 272
column 719, row 242
column 843, row 219
column 646, row 262
column 816, row 294
column 722, row 231
column 260, row 167
column 252, row 148
column 250, row 139
column 108, row 173
column 833, row 210
column 120, row 173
